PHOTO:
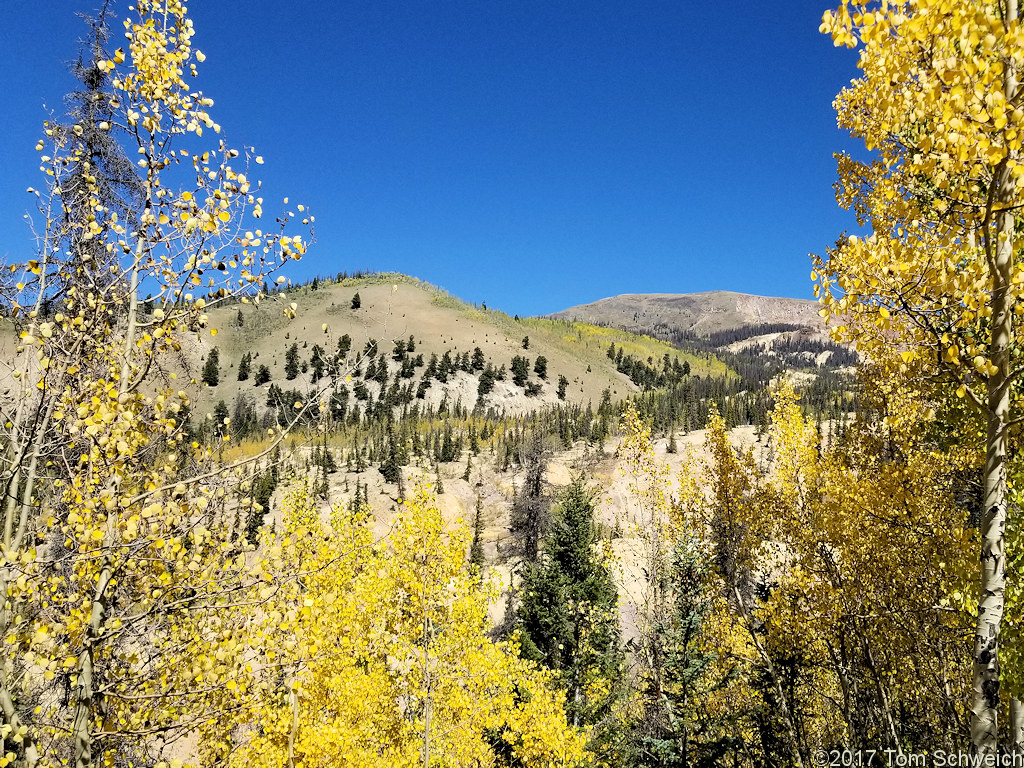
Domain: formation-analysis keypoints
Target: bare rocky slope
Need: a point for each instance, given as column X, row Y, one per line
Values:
column 700, row 314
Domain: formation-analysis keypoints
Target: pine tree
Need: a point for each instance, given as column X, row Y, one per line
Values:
column 263, row 489
column 220, row 415
column 103, row 170
column 476, row 551
column 390, row 468
column 563, row 385
column 244, row 365
column 568, row 618
column 520, row 370
column 478, row 361
column 356, row 301
column 540, row 366
column 486, row 383
column 344, row 345
column 531, row 508
column 318, row 362
column 211, row 369
column 291, row 362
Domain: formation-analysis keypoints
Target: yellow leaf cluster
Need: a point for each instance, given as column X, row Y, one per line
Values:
column 388, row 658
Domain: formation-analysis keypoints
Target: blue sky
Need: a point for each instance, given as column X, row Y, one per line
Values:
column 533, row 155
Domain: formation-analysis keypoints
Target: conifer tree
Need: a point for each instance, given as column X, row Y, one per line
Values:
column 520, row 370
column 243, row 366
column 291, row 362
column 531, row 508
column 211, row 369
column 318, row 360
column 478, row 361
column 568, row 616
column 540, row 366
column 476, row 550
column 563, row 385
column 390, row 468
column 344, row 345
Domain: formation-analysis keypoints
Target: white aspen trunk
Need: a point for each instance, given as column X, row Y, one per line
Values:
column 85, row 704
column 1016, row 726
column 882, row 697
column 10, row 712
column 13, row 539
column 992, row 588
column 295, row 726
column 984, row 720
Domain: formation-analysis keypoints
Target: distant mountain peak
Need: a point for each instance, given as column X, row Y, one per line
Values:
column 701, row 314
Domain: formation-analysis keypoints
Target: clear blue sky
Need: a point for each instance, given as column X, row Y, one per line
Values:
column 533, row 155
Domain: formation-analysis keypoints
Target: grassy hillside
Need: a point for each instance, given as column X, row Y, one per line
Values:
column 397, row 307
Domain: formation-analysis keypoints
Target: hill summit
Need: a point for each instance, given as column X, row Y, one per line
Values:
column 407, row 343
column 693, row 314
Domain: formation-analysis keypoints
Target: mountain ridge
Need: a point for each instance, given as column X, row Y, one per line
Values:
column 698, row 314
column 396, row 307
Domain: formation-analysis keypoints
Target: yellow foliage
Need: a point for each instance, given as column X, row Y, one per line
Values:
column 391, row 659
column 124, row 586
column 873, row 565
column 848, row 564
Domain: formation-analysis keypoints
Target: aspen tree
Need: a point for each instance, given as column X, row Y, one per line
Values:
column 872, row 569
column 675, row 622
column 385, row 655
column 939, row 105
column 121, row 586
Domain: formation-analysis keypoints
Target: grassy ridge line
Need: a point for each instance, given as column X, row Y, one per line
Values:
column 570, row 336
column 573, row 337
column 577, row 350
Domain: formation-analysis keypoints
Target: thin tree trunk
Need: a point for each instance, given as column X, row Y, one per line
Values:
column 954, row 723
column 784, row 710
column 85, row 705
column 992, row 589
column 882, row 697
column 295, row 726
column 10, row 713
column 842, row 672
column 1016, row 726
